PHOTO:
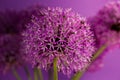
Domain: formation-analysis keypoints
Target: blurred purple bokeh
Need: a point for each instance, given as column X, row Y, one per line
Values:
column 111, row 69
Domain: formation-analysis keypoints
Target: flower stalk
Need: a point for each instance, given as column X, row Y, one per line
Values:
column 55, row 73
column 15, row 73
column 79, row 74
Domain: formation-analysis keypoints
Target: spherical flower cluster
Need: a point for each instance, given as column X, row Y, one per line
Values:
column 12, row 23
column 9, row 40
column 106, row 26
column 9, row 52
column 58, row 33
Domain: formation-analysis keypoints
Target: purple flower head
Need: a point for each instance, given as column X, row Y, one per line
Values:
column 106, row 26
column 12, row 23
column 9, row 52
column 60, row 33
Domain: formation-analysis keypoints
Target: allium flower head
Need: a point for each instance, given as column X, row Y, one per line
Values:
column 60, row 33
column 9, row 52
column 106, row 26
column 12, row 23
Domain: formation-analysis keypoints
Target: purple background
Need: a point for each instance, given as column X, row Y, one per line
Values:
column 111, row 69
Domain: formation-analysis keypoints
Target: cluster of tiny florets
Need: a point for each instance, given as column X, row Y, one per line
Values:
column 9, row 52
column 106, row 26
column 61, row 34
column 12, row 24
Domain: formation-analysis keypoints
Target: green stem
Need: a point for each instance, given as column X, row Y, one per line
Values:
column 50, row 74
column 97, row 54
column 35, row 74
column 40, row 74
column 27, row 73
column 55, row 73
column 15, row 73
column 79, row 74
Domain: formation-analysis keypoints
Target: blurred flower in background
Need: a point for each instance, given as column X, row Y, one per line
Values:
column 9, row 52
column 9, row 40
column 12, row 23
column 60, row 33
column 106, row 26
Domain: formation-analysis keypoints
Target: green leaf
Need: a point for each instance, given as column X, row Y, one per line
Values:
column 55, row 73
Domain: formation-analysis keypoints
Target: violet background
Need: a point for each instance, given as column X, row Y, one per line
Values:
column 111, row 69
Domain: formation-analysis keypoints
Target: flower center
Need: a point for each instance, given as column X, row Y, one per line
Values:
column 116, row 27
column 57, row 45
